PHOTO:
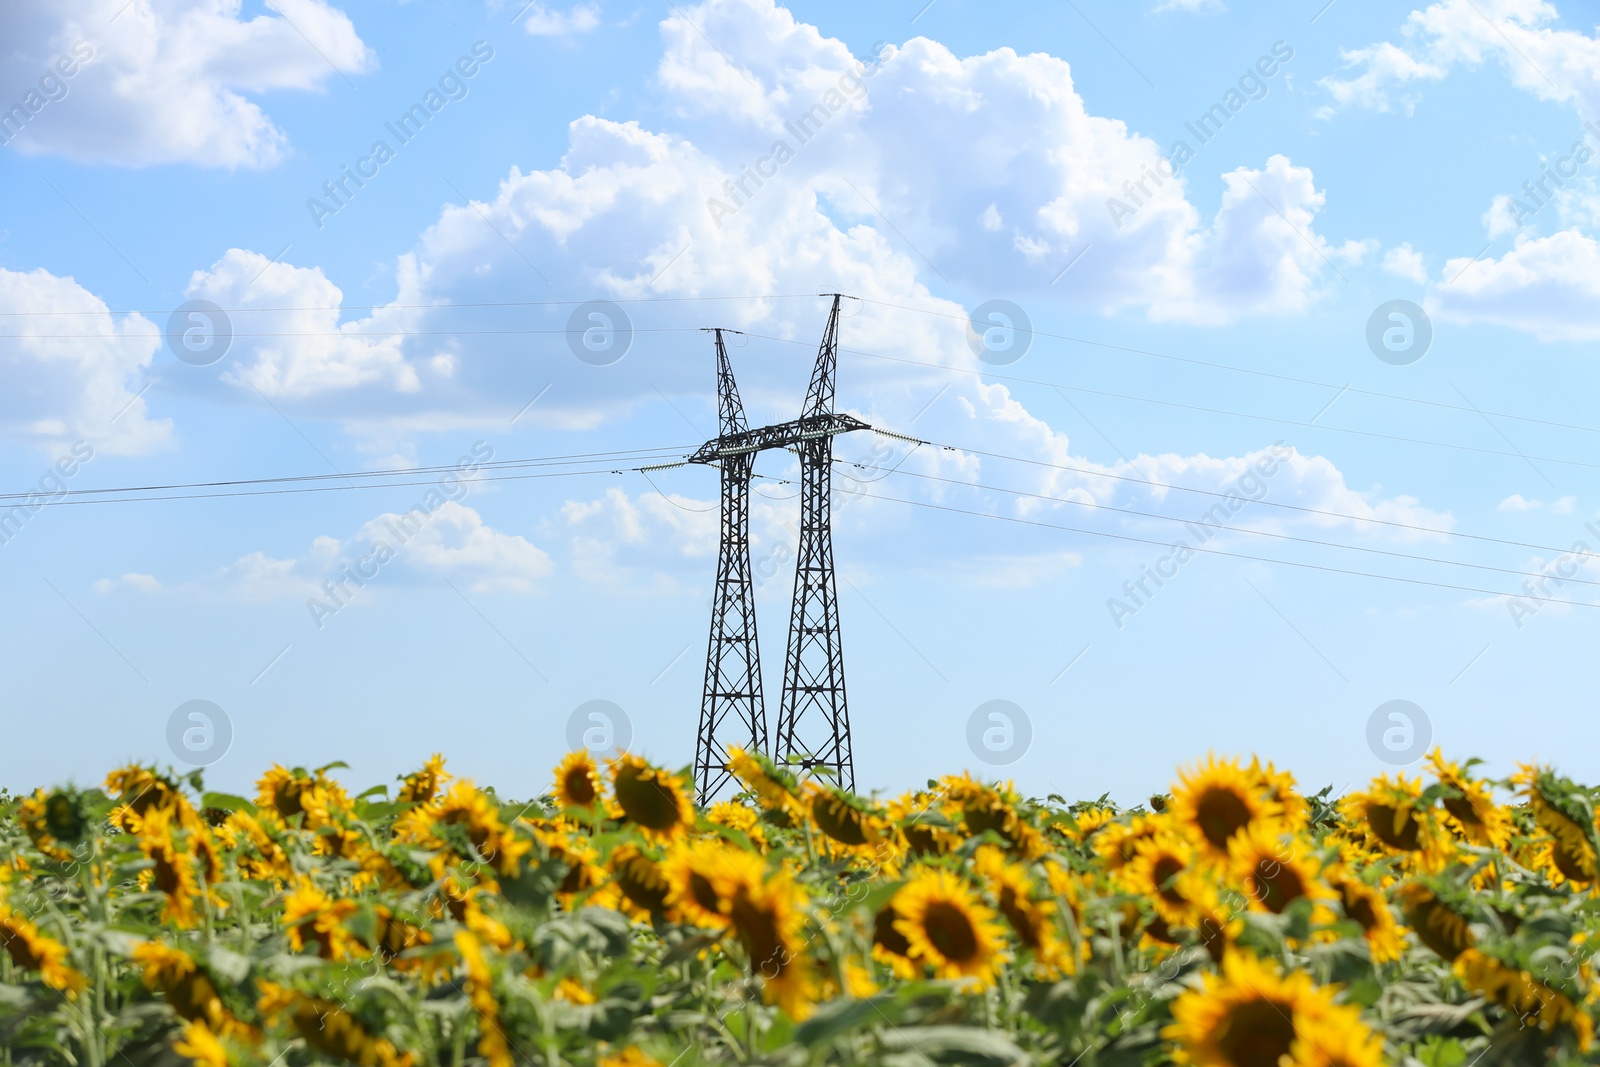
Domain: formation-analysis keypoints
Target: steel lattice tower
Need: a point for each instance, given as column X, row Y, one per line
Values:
column 732, row 711
column 814, row 723
column 814, row 717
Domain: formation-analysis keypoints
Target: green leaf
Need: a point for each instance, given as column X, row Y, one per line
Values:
column 839, row 1017
column 226, row 802
column 955, row 1044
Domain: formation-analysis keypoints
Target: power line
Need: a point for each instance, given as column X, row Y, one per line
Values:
column 1250, row 370
column 1234, row 555
column 1240, row 529
column 430, row 307
column 1207, row 410
column 1264, row 503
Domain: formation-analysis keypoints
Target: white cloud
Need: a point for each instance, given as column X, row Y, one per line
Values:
column 142, row 583
column 1517, row 502
column 1521, row 35
column 542, row 22
column 72, row 369
column 1546, row 286
column 1406, row 262
column 163, row 81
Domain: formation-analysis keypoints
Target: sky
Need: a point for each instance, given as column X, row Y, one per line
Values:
column 1248, row 348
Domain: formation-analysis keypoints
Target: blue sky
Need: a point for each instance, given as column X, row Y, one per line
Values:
column 1212, row 324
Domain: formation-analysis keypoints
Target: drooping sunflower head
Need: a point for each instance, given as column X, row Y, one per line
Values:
column 1438, row 923
column 1365, row 905
column 775, row 789
column 421, row 786
column 1250, row 1015
column 578, row 781
column 1517, row 991
column 844, row 818
column 652, row 799
column 1395, row 815
column 640, row 879
column 949, row 929
column 1217, row 799
column 1565, row 812
column 1471, row 812
column 924, row 830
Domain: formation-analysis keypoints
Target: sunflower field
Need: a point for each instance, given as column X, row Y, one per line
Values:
column 1443, row 921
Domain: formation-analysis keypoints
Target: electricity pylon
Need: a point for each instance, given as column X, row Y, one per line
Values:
column 732, row 710
column 814, row 717
column 814, row 721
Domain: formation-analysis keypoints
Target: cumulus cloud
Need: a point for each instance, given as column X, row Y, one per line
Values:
column 165, row 81
column 72, row 369
column 543, row 22
column 1405, row 262
column 1546, row 286
column 1520, row 35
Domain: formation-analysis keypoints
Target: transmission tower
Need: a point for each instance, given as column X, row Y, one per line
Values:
column 732, row 711
column 814, row 723
column 814, row 718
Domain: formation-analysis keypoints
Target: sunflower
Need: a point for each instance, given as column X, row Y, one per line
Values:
column 423, row 785
column 1471, row 812
column 641, row 881
column 889, row 945
column 1253, row 1016
column 740, row 818
column 949, row 929
column 1118, row 843
column 843, row 818
column 33, row 813
column 767, row 917
column 577, row 781
column 173, row 870
column 1437, row 924
column 394, row 937
column 985, row 808
column 1565, row 813
column 477, row 816
column 1274, row 869
column 34, row 951
column 201, row 1046
column 1031, row 919
column 578, row 855
column 1079, row 826
column 775, row 789
column 1153, row 873
column 1395, row 814
column 1365, row 905
column 923, row 830
column 702, row 877
column 311, row 917
column 1531, row 1001
column 1217, row 799
column 328, row 1028
column 628, row 1057
column 1280, row 789
column 650, row 798
column 494, row 1045
column 292, row 793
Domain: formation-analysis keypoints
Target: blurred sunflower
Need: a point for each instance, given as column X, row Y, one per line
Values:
column 187, row 989
column 1275, row 869
column 644, row 887
column 1153, row 873
column 995, row 808
column 32, row 950
column 1251, row 1015
column 890, row 946
column 1530, row 1001
column 200, row 1045
column 1470, row 811
column 423, row 785
column 702, row 877
column 1436, row 923
column 775, row 789
column 949, row 929
column 652, row 799
column 494, row 1045
column 1565, row 813
column 1366, row 905
column 628, row 1057
column 311, row 917
column 577, row 781
column 1394, row 813
column 767, row 916
column 328, row 1028
column 173, row 870
column 843, row 818
column 736, row 816
column 1031, row 918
